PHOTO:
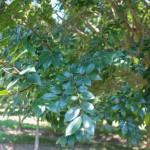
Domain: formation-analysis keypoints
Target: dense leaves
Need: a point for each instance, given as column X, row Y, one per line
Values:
column 76, row 64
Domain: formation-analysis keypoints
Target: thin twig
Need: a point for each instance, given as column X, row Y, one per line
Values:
column 34, row 32
column 23, row 90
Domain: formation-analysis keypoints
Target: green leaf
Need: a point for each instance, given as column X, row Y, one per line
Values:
column 71, row 99
column 88, row 124
column 73, row 126
column 79, row 80
column 87, row 95
column 67, row 74
column 124, row 129
column 31, row 49
column 56, row 58
column 141, row 112
column 108, row 127
column 62, row 103
column 55, row 90
column 133, row 107
column 69, row 91
column 74, row 98
column 71, row 141
column 90, row 68
column 45, row 59
column 3, row 92
column 141, row 100
column 51, row 106
column 38, row 110
column 34, row 78
column 67, row 85
column 72, row 113
column 82, row 89
column 18, row 56
column 61, row 78
column 147, row 119
column 88, row 107
column 49, row 96
column 116, row 107
column 27, row 69
column 81, row 70
column 116, row 100
column 95, row 77
column 133, row 140
column 87, row 81
column 62, row 141
column 12, row 83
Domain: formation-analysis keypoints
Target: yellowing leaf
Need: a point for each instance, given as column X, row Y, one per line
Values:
column 3, row 92
column 136, row 60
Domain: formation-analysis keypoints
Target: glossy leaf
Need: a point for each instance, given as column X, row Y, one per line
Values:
column 38, row 110
column 72, row 113
column 51, row 106
column 73, row 126
column 95, row 77
column 87, row 81
column 88, row 107
column 62, row 141
column 55, row 90
column 88, row 124
column 90, row 68
column 34, row 78
column 12, row 83
column 49, row 96
column 27, row 69
column 46, row 59
column 124, row 129
column 87, row 95
column 61, row 78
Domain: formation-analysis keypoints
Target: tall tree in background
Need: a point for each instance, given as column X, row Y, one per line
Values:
column 80, row 62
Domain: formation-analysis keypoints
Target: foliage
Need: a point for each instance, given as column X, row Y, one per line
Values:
column 56, row 58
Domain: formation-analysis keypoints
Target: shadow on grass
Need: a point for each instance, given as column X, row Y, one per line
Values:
column 24, row 139
column 14, row 125
column 50, row 139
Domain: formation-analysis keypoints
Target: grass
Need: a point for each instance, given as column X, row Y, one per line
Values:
column 49, row 138
column 24, row 139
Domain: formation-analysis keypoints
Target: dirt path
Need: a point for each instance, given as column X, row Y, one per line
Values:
column 23, row 147
column 31, row 147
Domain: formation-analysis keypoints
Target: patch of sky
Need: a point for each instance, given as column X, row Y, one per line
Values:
column 58, row 13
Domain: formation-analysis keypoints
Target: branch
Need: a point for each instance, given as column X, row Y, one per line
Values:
column 90, row 26
column 23, row 90
column 16, row 70
column 34, row 32
column 144, row 15
column 5, row 63
column 68, row 21
column 119, row 15
column 72, row 25
column 5, row 70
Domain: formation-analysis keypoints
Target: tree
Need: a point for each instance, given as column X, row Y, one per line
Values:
column 64, row 56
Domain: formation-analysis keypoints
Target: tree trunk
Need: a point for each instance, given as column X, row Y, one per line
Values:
column 20, row 123
column 36, row 146
column 148, row 137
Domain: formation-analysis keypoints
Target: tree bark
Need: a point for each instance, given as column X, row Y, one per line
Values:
column 36, row 146
column 20, row 123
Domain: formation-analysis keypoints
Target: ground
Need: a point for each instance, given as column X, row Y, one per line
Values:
column 13, row 139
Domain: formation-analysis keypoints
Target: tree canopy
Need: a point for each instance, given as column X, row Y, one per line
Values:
column 77, row 63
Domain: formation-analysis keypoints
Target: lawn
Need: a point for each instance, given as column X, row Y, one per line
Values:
column 21, row 140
